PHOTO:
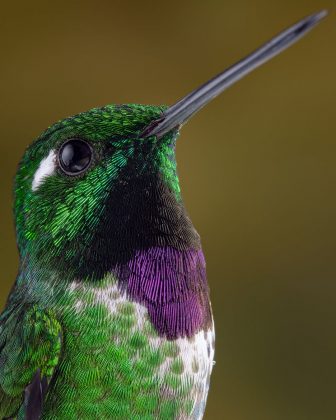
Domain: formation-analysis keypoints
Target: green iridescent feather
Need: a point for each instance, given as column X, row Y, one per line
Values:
column 108, row 367
column 97, row 347
column 30, row 340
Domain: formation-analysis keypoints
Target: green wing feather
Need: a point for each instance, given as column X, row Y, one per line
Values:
column 30, row 346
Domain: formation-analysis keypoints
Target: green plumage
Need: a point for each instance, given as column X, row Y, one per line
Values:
column 70, row 321
column 110, row 363
column 30, row 340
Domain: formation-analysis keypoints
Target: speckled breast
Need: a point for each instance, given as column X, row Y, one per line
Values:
column 116, row 365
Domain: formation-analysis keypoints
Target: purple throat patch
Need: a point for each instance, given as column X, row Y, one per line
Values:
column 172, row 285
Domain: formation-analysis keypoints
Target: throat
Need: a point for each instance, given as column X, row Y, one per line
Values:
column 148, row 216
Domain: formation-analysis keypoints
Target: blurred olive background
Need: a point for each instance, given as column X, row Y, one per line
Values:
column 257, row 168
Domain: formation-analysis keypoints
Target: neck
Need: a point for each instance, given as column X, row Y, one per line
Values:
column 170, row 283
column 147, row 215
column 149, row 245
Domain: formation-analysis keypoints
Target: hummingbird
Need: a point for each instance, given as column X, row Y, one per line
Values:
column 110, row 316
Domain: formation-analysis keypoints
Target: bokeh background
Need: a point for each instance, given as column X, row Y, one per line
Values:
column 257, row 168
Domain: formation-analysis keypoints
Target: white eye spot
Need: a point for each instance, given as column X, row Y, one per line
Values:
column 47, row 167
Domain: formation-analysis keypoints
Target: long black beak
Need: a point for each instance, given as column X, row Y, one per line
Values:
column 179, row 113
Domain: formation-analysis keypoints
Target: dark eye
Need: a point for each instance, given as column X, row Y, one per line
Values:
column 75, row 156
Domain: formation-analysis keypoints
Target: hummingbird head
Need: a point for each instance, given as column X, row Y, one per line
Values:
column 96, row 187
column 91, row 190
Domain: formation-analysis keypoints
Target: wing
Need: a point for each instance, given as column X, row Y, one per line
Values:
column 30, row 346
